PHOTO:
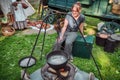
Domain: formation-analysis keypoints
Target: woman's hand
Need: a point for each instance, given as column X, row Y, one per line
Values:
column 85, row 35
column 60, row 39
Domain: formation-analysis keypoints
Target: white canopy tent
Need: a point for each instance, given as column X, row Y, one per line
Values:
column 5, row 6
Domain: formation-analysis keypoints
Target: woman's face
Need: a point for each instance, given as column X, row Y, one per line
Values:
column 75, row 12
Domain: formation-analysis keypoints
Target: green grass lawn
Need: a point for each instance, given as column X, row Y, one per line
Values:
column 15, row 47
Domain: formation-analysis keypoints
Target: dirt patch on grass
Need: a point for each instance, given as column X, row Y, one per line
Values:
column 33, row 31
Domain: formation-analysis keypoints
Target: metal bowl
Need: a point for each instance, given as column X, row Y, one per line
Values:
column 57, row 59
column 27, row 62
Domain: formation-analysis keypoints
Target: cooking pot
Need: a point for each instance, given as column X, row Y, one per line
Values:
column 57, row 59
column 101, row 38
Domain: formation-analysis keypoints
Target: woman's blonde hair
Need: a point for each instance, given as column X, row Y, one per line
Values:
column 77, row 5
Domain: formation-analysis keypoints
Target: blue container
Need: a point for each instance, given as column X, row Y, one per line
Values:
column 85, row 2
column 61, row 4
column 81, row 49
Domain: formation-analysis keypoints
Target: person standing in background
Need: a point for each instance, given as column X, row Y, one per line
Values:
column 21, row 13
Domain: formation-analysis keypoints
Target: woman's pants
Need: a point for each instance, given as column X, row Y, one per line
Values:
column 69, row 38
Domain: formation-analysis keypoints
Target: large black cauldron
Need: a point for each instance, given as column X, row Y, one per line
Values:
column 57, row 59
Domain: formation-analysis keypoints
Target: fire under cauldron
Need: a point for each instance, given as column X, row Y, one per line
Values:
column 58, row 67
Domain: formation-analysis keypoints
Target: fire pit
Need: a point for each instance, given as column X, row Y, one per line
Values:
column 52, row 69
